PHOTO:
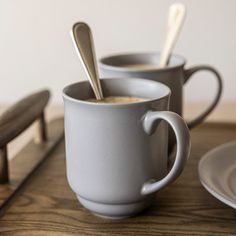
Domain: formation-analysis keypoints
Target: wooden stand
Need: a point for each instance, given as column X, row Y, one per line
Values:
column 13, row 122
column 4, row 176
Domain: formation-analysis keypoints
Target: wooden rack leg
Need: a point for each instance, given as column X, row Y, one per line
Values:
column 41, row 130
column 4, row 177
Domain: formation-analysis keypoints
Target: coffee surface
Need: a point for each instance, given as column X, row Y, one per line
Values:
column 142, row 66
column 116, row 99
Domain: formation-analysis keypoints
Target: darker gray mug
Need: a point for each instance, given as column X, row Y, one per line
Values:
column 174, row 76
column 116, row 154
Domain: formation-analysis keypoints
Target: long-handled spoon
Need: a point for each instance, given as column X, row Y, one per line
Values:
column 176, row 18
column 84, row 45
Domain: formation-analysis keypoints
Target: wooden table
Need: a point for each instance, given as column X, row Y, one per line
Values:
column 47, row 206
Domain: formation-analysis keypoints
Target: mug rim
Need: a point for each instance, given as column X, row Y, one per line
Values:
column 132, row 69
column 145, row 101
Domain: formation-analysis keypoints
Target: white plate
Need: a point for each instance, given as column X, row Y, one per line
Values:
column 217, row 173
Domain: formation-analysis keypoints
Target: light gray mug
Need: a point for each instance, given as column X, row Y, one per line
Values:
column 174, row 76
column 116, row 154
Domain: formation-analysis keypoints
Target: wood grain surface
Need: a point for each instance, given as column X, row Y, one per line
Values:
column 47, row 206
column 27, row 160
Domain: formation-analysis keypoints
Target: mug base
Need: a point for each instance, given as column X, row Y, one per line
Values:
column 116, row 211
column 110, row 217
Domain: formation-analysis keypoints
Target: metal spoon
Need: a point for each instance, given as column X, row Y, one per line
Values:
column 83, row 41
column 177, row 12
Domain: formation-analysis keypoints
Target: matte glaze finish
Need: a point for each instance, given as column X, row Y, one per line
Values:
column 217, row 173
column 174, row 76
column 116, row 152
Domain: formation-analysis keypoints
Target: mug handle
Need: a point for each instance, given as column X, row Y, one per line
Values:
column 150, row 121
column 187, row 74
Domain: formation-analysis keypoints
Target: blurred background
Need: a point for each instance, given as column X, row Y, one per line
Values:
column 36, row 49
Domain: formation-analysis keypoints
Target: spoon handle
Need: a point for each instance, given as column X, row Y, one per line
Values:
column 84, row 45
column 176, row 18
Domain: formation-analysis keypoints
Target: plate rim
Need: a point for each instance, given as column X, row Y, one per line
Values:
column 216, row 194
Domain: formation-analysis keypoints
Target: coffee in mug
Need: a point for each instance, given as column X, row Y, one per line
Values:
column 119, row 100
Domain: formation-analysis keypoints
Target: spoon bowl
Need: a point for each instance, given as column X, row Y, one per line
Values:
column 83, row 41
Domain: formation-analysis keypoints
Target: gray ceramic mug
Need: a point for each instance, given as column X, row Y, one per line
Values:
column 174, row 76
column 116, row 154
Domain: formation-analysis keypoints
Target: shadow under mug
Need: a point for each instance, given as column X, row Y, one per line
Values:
column 116, row 154
column 174, row 76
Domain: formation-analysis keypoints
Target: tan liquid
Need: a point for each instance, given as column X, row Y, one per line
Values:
column 142, row 66
column 114, row 99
